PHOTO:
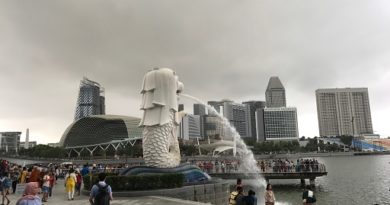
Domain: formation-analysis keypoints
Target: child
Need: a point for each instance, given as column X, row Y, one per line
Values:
column 45, row 186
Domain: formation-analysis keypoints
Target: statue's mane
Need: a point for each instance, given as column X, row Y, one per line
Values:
column 159, row 96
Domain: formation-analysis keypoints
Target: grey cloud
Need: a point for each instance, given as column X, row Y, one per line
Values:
column 220, row 49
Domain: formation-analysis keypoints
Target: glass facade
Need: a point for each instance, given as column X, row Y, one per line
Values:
column 91, row 99
column 280, row 124
column 9, row 142
column 253, row 106
column 99, row 129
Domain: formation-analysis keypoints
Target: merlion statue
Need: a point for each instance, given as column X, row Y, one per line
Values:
column 161, row 150
column 160, row 91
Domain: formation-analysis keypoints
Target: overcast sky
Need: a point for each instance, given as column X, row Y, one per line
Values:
column 219, row 49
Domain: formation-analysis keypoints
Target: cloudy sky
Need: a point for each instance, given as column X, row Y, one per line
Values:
column 219, row 48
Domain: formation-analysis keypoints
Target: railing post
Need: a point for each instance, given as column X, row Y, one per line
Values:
column 312, row 182
column 303, row 182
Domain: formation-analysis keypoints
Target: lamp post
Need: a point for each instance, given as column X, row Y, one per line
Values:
column 353, row 126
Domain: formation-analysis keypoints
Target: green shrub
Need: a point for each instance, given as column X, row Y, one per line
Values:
column 136, row 183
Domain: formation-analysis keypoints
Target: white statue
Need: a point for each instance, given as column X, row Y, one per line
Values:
column 160, row 120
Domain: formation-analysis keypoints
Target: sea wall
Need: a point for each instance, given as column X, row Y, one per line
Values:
column 216, row 192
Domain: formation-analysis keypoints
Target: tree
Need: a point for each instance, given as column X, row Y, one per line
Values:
column 43, row 151
column 249, row 141
column 278, row 147
column 346, row 139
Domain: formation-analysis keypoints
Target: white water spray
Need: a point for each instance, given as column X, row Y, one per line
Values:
column 248, row 161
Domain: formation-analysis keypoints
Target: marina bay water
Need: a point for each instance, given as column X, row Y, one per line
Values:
column 351, row 180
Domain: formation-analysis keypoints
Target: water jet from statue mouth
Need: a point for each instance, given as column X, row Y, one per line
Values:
column 249, row 163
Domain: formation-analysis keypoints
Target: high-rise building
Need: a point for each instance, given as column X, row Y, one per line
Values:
column 9, row 141
column 275, row 95
column 212, row 127
column 199, row 109
column 239, row 116
column 181, row 107
column 260, row 135
column 190, row 127
column 253, row 106
column 277, row 124
column 343, row 111
column 90, row 100
column 218, row 105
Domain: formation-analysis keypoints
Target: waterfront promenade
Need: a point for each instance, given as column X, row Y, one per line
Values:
column 59, row 197
column 110, row 160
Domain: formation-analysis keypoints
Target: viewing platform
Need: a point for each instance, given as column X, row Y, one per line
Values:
column 301, row 174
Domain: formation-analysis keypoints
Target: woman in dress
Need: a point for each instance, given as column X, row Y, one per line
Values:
column 269, row 195
column 70, row 183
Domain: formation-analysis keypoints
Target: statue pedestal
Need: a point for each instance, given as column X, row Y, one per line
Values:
column 192, row 174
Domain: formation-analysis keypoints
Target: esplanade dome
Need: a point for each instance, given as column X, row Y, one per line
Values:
column 98, row 129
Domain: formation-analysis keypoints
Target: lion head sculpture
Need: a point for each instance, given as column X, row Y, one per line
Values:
column 159, row 95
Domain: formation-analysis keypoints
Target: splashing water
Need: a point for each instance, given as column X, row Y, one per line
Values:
column 246, row 157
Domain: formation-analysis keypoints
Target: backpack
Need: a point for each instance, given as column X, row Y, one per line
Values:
column 7, row 183
column 103, row 196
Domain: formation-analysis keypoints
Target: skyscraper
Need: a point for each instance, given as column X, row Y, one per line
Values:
column 276, row 121
column 275, row 95
column 343, row 111
column 199, row 109
column 253, row 106
column 278, row 124
column 90, row 100
column 217, row 105
column 239, row 116
column 190, row 127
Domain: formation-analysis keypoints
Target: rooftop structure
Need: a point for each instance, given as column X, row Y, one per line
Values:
column 275, row 94
column 99, row 129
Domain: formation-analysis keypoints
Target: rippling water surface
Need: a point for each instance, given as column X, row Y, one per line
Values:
column 355, row 180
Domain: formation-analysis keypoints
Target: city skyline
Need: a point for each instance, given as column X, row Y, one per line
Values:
column 230, row 51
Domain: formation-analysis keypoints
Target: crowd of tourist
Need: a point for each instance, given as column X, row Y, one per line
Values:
column 38, row 180
column 218, row 166
column 265, row 165
column 286, row 165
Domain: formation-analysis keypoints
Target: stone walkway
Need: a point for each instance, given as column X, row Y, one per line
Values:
column 60, row 197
